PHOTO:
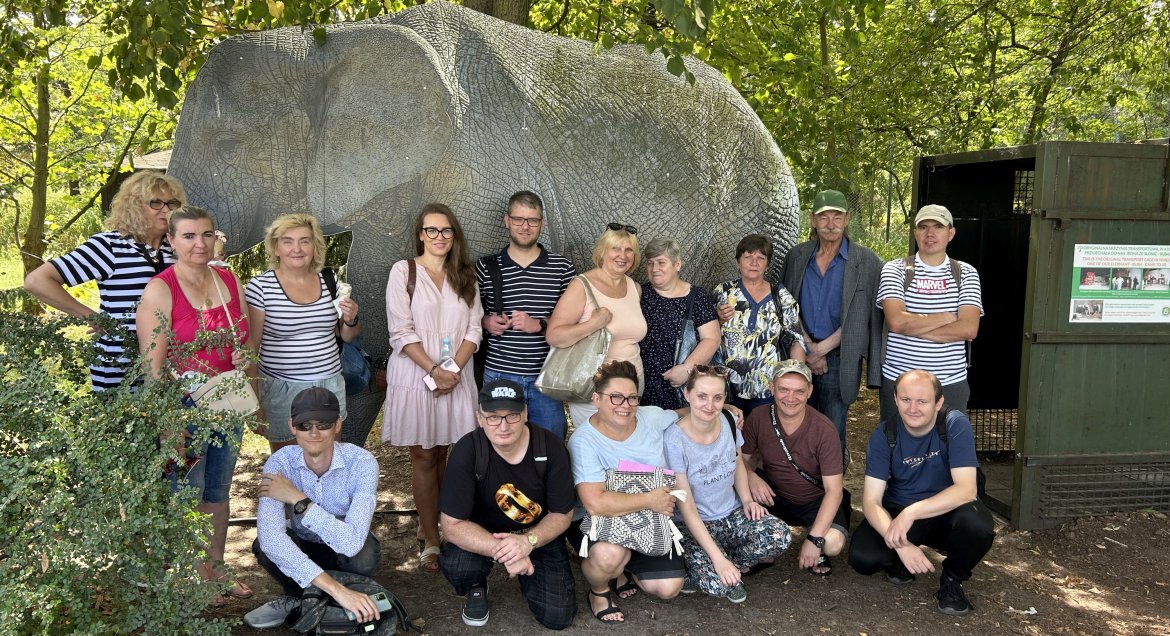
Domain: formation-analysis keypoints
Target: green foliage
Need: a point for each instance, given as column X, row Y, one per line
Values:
column 91, row 538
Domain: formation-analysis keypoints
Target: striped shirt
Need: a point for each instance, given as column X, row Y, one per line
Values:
column 299, row 342
column 343, row 505
column 933, row 290
column 535, row 290
column 122, row 267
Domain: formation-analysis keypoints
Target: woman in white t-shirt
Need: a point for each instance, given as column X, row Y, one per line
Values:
column 726, row 532
column 292, row 309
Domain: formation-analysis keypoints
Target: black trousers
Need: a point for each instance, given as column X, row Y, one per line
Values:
column 549, row 589
column 365, row 562
column 965, row 534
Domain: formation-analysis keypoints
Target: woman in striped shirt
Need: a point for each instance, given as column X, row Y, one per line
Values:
column 293, row 311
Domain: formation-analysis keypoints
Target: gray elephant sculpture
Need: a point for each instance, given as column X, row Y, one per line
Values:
column 442, row 103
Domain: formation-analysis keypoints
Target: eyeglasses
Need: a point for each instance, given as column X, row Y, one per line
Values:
column 530, row 221
column 158, row 204
column 620, row 226
column 617, row 399
column 712, row 369
column 496, row 420
column 309, row 424
column 435, row 232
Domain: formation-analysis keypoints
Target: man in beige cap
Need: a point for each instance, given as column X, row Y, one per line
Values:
column 834, row 280
column 932, row 307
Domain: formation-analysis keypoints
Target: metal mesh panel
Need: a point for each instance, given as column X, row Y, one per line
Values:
column 995, row 429
column 1095, row 489
column 1022, row 194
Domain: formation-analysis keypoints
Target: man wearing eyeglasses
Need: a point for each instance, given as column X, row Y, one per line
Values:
column 316, row 502
column 519, row 288
column 507, row 496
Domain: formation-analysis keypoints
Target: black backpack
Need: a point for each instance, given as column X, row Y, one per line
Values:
column 320, row 615
column 535, row 438
column 940, row 428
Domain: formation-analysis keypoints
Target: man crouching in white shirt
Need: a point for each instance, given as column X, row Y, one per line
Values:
column 316, row 502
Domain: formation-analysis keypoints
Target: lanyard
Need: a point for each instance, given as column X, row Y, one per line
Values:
column 156, row 262
column 780, row 436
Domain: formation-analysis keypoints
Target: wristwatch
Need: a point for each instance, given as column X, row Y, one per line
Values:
column 301, row 506
column 532, row 540
column 817, row 541
column 543, row 325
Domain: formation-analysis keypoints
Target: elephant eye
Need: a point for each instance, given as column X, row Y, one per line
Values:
column 228, row 149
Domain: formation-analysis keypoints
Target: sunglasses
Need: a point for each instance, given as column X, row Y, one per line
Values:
column 617, row 399
column 617, row 227
column 309, row 424
column 158, row 204
column 434, row 232
column 712, row 369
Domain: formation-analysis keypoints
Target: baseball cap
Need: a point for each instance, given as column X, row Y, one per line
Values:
column 934, row 212
column 827, row 200
column 501, row 395
column 793, row 365
column 315, row 403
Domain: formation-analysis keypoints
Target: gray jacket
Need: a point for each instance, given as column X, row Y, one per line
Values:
column 861, row 318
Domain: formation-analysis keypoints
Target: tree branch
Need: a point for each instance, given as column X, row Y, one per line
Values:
column 12, row 156
column 113, row 170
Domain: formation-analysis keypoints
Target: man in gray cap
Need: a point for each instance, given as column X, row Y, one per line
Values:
column 932, row 307
column 299, row 536
column 835, row 280
column 507, row 497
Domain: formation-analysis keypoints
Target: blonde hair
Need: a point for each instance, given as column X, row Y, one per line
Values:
column 286, row 223
column 126, row 214
column 608, row 239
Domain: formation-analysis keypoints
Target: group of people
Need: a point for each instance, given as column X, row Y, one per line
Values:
column 750, row 421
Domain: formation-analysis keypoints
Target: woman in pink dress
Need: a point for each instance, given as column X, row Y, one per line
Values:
column 428, row 406
column 614, row 255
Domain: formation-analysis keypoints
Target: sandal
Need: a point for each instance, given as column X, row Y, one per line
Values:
column 629, row 586
column 239, row 590
column 824, row 565
column 609, row 610
column 428, row 561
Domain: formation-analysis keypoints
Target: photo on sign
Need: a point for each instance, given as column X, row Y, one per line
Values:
column 1085, row 309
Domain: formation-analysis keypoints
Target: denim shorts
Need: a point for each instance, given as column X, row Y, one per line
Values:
column 276, row 398
column 212, row 474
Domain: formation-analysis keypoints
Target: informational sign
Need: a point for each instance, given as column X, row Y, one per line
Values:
column 1120, row 283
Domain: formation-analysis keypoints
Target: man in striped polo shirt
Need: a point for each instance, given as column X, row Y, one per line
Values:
column 931, row 312
column 519, row 288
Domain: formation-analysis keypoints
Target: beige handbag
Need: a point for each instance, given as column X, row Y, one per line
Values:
column 230, row 390
column 567, row 373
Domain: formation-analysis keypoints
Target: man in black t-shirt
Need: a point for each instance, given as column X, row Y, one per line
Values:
column 507, row 496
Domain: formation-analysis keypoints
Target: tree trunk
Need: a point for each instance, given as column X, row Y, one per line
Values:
column 514, row 11
column 33, row 243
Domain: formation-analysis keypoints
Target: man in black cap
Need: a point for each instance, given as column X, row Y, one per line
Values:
column 316, row 502
column 521, row 500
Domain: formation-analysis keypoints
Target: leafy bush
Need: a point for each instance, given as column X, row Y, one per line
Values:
column 92, row 540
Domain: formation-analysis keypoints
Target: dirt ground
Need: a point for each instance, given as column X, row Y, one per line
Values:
column 1108, row 575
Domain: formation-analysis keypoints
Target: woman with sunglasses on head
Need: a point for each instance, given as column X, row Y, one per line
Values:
column 293, row 310
column 192, row 302
column 726, row 532
column 620, row 430
column 665, row 306
column 121, row 260
column 615, row 255
column 760, row 324
column 433, row 311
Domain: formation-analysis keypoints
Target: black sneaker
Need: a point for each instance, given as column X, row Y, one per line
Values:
column 475, row 608
column 899, row 575
column 951, row 599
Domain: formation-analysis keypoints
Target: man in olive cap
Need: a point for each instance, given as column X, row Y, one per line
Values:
column 835, row 280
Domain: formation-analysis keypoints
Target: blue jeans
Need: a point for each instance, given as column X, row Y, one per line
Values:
column 543, row 411
column 212, row 475
column 826, row 395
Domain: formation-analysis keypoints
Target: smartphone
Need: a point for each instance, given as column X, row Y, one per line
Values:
column 379, row 599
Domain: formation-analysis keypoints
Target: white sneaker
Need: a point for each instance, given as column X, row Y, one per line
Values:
column 272, row 613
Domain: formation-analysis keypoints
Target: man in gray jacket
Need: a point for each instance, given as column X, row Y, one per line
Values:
column 834, row 280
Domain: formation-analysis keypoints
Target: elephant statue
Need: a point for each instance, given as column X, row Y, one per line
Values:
column 442, row 103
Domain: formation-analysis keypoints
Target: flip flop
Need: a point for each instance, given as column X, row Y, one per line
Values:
column 428, row 561
column 824, row 564
column 611, row 608
column 629, row 586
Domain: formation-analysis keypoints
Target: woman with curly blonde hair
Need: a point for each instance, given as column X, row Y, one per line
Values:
column 121, row 260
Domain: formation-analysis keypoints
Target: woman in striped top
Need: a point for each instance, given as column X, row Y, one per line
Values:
column 121, row 260
column 293, row 311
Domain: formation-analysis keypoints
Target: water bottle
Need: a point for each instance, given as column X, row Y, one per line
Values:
column 445, row 351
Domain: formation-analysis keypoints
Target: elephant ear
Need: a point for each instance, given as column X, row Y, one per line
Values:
column 383, row 115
